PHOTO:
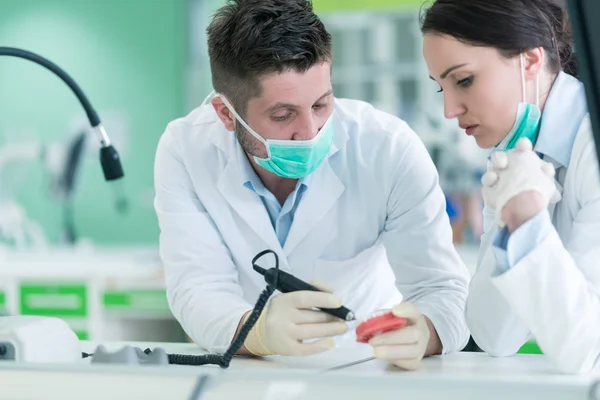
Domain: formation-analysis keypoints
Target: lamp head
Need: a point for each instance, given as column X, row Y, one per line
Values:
column 111, row 163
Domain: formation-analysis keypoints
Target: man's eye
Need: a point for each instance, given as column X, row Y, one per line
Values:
column 281, row 118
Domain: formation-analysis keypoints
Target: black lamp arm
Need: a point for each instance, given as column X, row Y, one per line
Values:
column 109, row 158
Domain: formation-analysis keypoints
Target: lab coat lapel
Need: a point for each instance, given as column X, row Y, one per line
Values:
column 322, row 194
column 559, row 188
column 246, row 203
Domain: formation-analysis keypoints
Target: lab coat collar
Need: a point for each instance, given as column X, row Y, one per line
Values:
column 563, row 113
column 324, row 191
column 245, row 202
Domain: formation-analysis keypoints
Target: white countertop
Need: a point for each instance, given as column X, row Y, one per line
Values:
column 462, row 363
column 459, row 375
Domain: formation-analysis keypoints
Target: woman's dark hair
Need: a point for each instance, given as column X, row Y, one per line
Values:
column 511, row 26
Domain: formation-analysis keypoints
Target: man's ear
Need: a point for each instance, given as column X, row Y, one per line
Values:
column 223, row 113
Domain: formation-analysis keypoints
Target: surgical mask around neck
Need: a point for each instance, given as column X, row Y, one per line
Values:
column 292, row 159
column 528, row 117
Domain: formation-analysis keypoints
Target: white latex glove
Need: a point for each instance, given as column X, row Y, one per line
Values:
column 289, row 319
column 516, row 171
column 406, row 346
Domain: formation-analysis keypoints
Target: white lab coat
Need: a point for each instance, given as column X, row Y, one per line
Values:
column 376, row 193
column 553, row 293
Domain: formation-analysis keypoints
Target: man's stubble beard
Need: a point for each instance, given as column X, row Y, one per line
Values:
column 249, row 143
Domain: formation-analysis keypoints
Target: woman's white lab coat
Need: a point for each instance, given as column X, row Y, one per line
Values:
column 371, row 224
column 553, row 293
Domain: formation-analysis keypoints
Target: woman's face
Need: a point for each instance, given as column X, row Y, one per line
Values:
column 481, row 87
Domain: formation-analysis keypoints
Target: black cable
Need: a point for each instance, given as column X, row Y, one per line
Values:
column 225, row 359
column 27, row 55
column 109, row 157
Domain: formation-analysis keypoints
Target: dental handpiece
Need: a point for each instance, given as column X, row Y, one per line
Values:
column 289, row 283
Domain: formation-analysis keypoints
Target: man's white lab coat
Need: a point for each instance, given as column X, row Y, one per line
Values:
column 372, row 224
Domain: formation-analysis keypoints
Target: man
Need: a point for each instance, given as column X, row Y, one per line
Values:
column 345, row 195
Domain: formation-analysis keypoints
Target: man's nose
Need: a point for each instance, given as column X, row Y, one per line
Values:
column 307, row 128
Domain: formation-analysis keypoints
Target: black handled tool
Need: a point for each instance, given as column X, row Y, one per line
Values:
column 289, row 283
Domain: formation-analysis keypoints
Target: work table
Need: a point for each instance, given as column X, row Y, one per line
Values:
column 459, row 375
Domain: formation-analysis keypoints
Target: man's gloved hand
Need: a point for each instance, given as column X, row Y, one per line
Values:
column 406, row 346
column 289, row 319
column 516, row 171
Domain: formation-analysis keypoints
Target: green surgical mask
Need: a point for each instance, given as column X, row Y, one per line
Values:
column 292, row 159
column 528, row 119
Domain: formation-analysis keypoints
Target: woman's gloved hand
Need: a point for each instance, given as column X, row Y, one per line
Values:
column 514, row 172
column 290, row 318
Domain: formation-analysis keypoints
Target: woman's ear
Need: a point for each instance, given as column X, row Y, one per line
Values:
column 223, row 113
column 534, row 62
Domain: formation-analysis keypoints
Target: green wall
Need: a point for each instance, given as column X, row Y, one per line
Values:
column 129, row 57
column 322, row 6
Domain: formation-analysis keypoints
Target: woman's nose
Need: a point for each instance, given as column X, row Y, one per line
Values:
column 452, row 107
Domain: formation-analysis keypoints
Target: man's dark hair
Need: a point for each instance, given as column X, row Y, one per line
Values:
column 248, row 39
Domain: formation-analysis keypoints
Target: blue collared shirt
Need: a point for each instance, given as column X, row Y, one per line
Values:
column 281, row 216
column 563, row 114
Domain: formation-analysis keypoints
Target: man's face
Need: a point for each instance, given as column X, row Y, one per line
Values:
column 292, row 106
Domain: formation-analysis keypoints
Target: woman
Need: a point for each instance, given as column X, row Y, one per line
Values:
column 507, row 72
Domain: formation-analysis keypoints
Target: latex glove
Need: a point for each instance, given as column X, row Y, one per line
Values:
column 289, row 319
column 406, row 346
column 513, row 172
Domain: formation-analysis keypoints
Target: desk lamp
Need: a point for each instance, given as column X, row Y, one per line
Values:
column 27, row 338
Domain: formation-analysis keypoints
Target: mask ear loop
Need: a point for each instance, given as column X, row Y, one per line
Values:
column 522, row 62
column 245, row 125
column 537, row 84
column 537, row 90
column 207, row 98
